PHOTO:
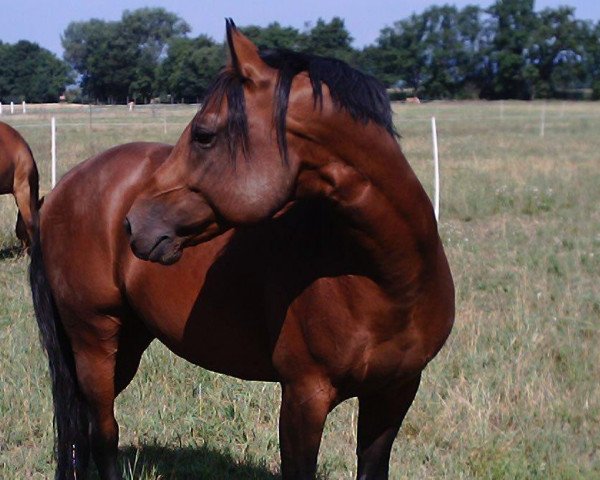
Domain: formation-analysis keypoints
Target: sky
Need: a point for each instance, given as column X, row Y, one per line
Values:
column 43, row 21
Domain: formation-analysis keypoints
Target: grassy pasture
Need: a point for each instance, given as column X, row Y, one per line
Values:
column 514, row 394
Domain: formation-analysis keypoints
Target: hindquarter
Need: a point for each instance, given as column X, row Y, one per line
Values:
column 7, row 169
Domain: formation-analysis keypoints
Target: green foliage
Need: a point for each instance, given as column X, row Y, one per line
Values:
column 505, row 51
column 189, row 68
column 119, row 60
column 510, row 25
column 397, row 58
column 329, row 39
column 273, row 36
column 31, row 73
column 555, row 52
column 432, row 53
column 591, row 62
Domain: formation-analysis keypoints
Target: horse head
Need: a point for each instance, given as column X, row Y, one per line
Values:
column 275, row 126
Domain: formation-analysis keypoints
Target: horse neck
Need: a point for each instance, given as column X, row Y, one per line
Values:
column 385, row 208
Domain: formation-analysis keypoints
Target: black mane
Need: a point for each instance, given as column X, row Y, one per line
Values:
column 361, row 95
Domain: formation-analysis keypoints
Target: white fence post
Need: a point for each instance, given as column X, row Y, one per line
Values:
column 543, row 121
column 0, row 108
column 53, row 123
column 24, row 107
column 436, row 170
column 12, row 108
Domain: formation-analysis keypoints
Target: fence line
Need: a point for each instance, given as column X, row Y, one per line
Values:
column 544, row 117
column 116, row 124
column 164, row 124
column 397, row 116
column 547, row 121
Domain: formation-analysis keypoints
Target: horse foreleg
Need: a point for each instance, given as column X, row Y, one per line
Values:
column 379, row 419
column 304, row 408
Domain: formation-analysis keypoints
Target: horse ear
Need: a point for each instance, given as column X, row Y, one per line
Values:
column 243, row 55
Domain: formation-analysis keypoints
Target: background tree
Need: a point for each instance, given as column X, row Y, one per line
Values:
column 435, row 53
column 506, row 51
column 510, row 28
column 330, row 39
column 449, row 46
column 120, row 59
column 149, row 30
column 274, row 36
column 103, row 58
column 591, row 56
column 190, row 67
column 398, row 59
column 472, row 64
column 31, row 73
column 556, row 51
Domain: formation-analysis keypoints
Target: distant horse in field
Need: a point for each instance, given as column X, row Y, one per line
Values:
column 290, row 241
column 19, row 176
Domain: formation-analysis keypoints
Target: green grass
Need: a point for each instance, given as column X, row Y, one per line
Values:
column 513, row 395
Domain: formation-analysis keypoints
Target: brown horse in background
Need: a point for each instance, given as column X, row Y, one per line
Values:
column 19, row 176
column 291, row 242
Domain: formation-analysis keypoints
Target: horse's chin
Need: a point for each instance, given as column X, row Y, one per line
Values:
column 168, row 257
column 165, row 251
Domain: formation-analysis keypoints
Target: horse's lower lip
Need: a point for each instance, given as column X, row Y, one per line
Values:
column 171, row 257
column 164, row 251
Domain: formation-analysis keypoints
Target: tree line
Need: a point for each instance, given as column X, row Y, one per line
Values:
column 505, row 51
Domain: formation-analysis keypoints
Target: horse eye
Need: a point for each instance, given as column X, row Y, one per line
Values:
column 204, row 138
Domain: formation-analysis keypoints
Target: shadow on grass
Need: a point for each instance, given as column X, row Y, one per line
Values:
column 168, row 463
column 14, row 251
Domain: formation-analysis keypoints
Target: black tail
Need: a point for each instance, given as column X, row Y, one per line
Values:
column 71, row 443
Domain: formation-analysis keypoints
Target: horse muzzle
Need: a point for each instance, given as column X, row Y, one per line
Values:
column 158, row 231
column 152, row 243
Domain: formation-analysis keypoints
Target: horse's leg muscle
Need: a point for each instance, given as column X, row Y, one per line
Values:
column 104, row 369
column 379, row 420
column 304, row 408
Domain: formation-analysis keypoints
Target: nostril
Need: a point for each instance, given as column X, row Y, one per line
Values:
column 127, row 226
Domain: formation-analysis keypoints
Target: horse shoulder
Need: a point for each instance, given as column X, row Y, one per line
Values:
column 82, row 221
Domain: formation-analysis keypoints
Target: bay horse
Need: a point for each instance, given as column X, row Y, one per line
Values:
column 289, row 241
column 19, row 177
